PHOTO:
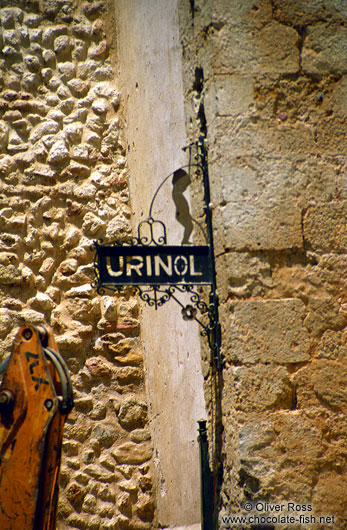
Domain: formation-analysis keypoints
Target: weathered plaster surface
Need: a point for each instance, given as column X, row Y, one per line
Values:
column 151, row 73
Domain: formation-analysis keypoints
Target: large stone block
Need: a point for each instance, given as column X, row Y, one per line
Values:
column 325, row 50
column 258, row 227
column 301, row 12
column 248, row 275
column 268, row 331
column 272, row 178
column 340, row 96
column 231, row 95
column 257, row 388
column 271, row 49
column 251, row 136
column 325, row 227
column 322, row 383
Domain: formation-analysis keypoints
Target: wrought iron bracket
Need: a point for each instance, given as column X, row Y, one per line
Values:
column 160, row 272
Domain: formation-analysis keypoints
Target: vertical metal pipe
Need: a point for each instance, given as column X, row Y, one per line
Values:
column 216, row 333
column 206, row 480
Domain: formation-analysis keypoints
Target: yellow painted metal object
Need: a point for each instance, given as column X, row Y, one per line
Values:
column 35, row 399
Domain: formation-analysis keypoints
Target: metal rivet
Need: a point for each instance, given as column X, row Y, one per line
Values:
column 48, row 404
column 27, row 334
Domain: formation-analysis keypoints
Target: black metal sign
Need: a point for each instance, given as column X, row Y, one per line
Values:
column 158, row 271
column 153, row 265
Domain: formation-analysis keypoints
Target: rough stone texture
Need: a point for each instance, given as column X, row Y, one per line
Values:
column 265, row 85
column 270, row 331
column 63, row 180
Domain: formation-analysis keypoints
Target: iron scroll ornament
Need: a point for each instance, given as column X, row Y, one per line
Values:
column 160, row 272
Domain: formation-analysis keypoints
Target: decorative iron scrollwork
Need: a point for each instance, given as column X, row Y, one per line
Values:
column 160, row 272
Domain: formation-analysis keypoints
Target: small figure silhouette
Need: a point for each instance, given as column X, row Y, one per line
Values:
column 180, row 182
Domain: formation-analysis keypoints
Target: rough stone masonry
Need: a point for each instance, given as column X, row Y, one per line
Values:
column 266, row 85
column 63, row 183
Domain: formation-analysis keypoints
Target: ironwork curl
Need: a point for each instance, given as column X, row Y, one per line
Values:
column 152, row 232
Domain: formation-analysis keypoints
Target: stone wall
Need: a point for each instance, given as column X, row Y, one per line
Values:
column 63, row 183
column 265, row 83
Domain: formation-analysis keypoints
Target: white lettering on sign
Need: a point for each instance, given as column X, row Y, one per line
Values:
column 158, row 262
column 111, row 271
column 148, row 266
column 181, row 265
column 131, row 266
column 193, row 272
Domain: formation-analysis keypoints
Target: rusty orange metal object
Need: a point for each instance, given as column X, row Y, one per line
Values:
column 32, row 417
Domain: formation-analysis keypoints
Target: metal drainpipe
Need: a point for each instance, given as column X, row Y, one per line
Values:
column 206, row 480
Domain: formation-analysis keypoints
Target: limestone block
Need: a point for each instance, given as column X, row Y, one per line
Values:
column 118, row 229
column 141, row 435
column 296, row 12
column 42, row 129
column 92, row 225
column 3, row 134
column 58, row 153
column 82, row 291
column 31, row 317
column 32, row 20
column 99, row 368
column 330, row 493
column 67, row 71
column 325, row 227
column 258, row 388
column 62, row 46
column 11, row 37
column 84, row 191
column 100, row 474
column 75, row 494
column 268, row 331
column 9, row 16
column 10, row 275
column 49, row 58
column 70, row 448
column 272, row 49
column 132, row 453
column 324, row 313
column 32, row 63
column 7, row 163
column 98, row 51
column 325, row 50
column 78, row 87
column 67, row 105
column 82, row 30
column 232, row 95
column 62, row 91
column 322, row 382
column 6, row 322
column 105, row 433
column 145, row 508
column 340, row 96
column 35, row 35
column 42, row 302
column 98, row 413
column 109, row 308
column 132, row 413
column 262, row 227
column 248, row 275
column 129, row 375
column 124, row 504
column 89, row 504
column 93, row 10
